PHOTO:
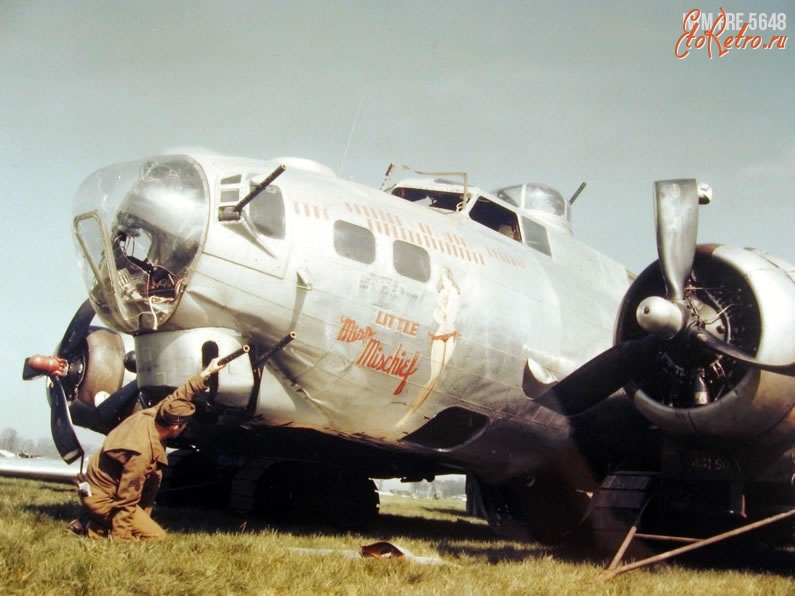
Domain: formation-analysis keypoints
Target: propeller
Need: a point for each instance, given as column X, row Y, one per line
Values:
column 64, row 371
column 710, row 342
column 77, row 330
column 676, row 220
column 601, row 376
column 112, row 410
column 670, row 321
column 63, row 432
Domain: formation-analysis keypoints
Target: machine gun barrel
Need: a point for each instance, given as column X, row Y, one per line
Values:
column 259, row 188
column 231, row 213
column 276, row 348
column 236, row 354
column 576, row 193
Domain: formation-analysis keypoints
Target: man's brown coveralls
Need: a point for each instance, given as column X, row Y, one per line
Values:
column 125, row 474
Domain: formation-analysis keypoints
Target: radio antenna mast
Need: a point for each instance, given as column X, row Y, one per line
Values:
column 350, row 136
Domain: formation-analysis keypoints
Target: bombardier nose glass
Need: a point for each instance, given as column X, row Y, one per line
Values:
column 139, row 227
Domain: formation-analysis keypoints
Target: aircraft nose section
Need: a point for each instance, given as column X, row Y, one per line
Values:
column 139, row 227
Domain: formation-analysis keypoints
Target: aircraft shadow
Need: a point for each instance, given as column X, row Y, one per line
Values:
column 462, row 537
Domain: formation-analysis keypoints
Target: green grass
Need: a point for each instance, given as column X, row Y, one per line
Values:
column 208, row 552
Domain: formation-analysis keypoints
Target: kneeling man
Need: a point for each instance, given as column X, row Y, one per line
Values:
column 124, row 476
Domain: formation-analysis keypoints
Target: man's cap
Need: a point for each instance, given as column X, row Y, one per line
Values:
column 174, row 411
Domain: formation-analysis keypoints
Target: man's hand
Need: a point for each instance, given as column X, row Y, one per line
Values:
column 212, row 368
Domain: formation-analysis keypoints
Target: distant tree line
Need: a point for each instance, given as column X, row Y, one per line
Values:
column 11, row 441
column 448, row 486
column 442, row 487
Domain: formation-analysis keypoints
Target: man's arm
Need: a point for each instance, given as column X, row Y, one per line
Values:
column 197, row 383
column 212, row 368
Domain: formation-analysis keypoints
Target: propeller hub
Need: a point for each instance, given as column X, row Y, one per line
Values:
column 660, row 317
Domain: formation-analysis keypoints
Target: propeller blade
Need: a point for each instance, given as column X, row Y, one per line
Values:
column 714, row 344
column 63, row 433
column 601, row 376
column 676, row 220
column 38, row 365
column 113, row 408
column 77, row 329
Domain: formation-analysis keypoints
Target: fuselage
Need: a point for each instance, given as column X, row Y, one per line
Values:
column 429, row 328
column 401, row 311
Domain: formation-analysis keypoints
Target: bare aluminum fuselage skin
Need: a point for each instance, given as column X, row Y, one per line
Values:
column 407, row 316
column 377, row 353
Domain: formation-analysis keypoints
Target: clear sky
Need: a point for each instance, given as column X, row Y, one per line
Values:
column 510, row 91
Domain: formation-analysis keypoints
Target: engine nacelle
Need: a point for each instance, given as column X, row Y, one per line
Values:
column 168, row 358
column 744, row 298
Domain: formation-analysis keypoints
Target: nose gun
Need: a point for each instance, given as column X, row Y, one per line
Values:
column 275, row 349
column 236, row 354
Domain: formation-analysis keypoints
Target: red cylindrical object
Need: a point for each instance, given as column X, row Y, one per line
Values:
column 51, row 365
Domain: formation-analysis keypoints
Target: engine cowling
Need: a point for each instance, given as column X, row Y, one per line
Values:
column 104, row 365
column 744, row 298
column 96, row 370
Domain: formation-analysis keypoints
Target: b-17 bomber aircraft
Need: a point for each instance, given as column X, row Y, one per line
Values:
column 430, row 328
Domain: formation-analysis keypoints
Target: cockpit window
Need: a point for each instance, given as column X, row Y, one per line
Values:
column 267, row 212
column 536, row 236
column 497, row 218
column 447, row 201
column 139, row 226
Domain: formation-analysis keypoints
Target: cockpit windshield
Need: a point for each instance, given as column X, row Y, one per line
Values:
column 538, row 198
column 139, row 226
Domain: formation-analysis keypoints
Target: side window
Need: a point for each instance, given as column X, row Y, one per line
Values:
column 354, row 242
column 411, row 261
column 230, row 195
column 230, row 189
column 266, row 212
column 535, row 236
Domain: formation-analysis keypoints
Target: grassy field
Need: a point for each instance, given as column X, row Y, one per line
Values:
column 218, row 553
